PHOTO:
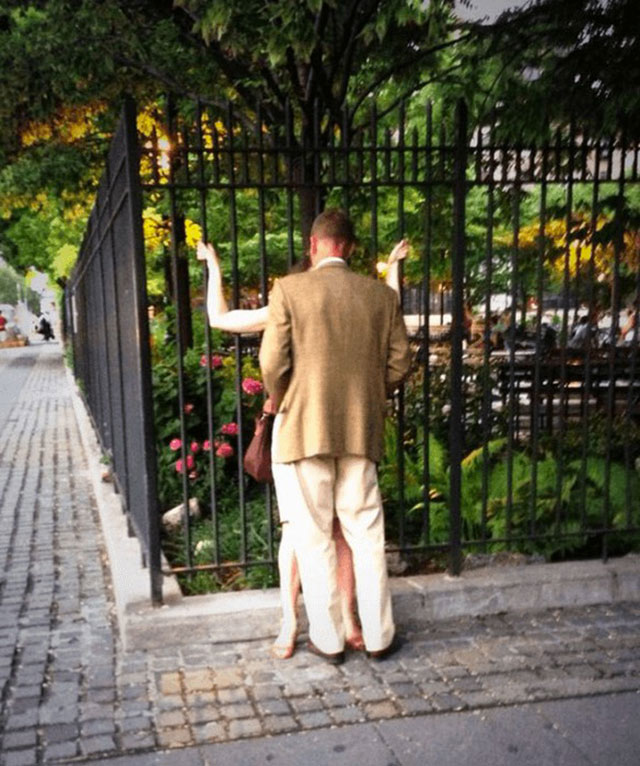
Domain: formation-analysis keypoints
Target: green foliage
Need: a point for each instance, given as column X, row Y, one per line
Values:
column 505, row 496
column 230, row 577
column 13, row 287
column 171, row 462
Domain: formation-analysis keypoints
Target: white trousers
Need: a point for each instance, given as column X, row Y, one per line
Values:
column 310, row 492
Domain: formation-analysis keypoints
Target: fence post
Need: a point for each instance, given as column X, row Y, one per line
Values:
column 457, row 334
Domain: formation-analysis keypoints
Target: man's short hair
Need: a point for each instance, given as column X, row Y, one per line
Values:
column 334, row 223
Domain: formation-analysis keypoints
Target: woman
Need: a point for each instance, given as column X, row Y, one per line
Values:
column 255, row 320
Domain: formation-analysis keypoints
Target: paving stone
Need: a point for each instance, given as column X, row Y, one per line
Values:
column 170, row 683
column 19, row 739
column 447, row 702
column 228, row 696
column 209, row 732
column 296, row 689
column 99, row 744
column 351, row 714
column 32, row 691
column 169, row 703
column 171, row 718
column 237, row 711
column 91, row 710
column 60, row 750
column 306, row 704
column 414, row 705
column 138, row 677
column 24, row 705
column 130, row 692
column 314, row 720
column 200, row 715
column 199, row 699
column 248, row 727
column 279, row 724
column 25, row 720
column 137, row 740
column 20, row 758
column 372, row 693
column 338, row 699
column 375, row 710
column 225, row 677
column 134, row 722
column 200, row 680
column 474, row 699
column 174, row 737
column 433, row 687
column 403, row 689
column 274, row 707
column 60, row 733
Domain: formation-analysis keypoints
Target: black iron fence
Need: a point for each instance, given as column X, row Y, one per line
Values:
column 519, row 426
column 106, row 308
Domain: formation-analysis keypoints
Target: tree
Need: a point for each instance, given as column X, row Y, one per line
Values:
column 67, row 63
column 564, row 59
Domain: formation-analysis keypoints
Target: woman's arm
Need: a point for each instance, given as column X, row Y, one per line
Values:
column 238, row 320
column 399, row 253
column 629, row 324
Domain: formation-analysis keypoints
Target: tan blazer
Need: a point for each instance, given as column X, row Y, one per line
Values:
column 334, row 346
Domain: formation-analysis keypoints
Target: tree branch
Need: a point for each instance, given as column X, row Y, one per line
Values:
column 354, row 31
column 175, row 86
column 317, row 67
column 403, row 65
column 418, row 86
column 235, row 71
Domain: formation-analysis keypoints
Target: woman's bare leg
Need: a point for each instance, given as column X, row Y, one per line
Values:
column 347, row 589
column 284, row 644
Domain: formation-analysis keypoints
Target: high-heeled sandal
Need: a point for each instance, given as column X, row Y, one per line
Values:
column 356, row 644
column 284, row 651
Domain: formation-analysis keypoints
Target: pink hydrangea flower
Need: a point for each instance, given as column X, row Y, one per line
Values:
column 215, row 361
column 252, row 386
column 231, row 429
column 224, row 450
column 189, row 463
column 188, row 408
column 193, row 475
column 175, row 444
column 195, row 447
column 206, row 445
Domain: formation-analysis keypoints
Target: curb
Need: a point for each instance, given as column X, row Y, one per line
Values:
column 255, row 615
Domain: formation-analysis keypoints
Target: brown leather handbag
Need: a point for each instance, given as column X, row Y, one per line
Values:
column 257, row 458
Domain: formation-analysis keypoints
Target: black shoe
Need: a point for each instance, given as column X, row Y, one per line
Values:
column 332, row 659
column 382, row 654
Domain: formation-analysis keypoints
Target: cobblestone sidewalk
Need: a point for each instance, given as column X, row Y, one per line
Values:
column 69, row 691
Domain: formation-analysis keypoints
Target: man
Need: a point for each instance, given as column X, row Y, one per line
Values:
column 334, row 346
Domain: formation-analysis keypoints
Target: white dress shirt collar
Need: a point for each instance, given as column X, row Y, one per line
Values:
column 329, row 261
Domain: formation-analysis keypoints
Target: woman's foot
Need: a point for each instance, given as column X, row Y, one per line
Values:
column 285, row 644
